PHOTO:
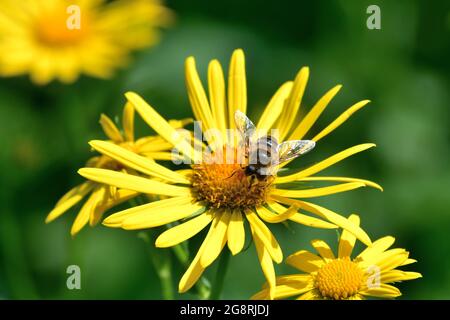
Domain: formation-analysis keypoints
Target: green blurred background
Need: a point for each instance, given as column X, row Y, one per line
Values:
column 403, row 68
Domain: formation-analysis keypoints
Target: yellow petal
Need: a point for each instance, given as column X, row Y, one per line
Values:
column 347, row 240
column 131, row 182
column 271, row 217
column 163, row 156
column 192, row 274
column 217, row 241
column 217, row 98
column 398, row 276
column 382, row 291
column 151, row 143
column 237, row 86
column 344, row 179
column 184, row 231
column 305, row 261
column 137, row 162
column 340, row 120
column 323, row 249
column 312, row 116
column 287, row 289
column 312, row 222
column 408, row 261
column 155, row 217
column 121, row 195
column 338, row 220
column 195, row 270
column 292, row 279
column 293, row 103
column 128, row 122
column 177, row 124
column 197, row 96
column 303, row 219
column 292, row 289
column 236, row 232
column 377, row 248
column 274, row 108
column 83, row 216
column 265, row 236
column 317, row 192
column 325, row 163
column 115, row 220
column 265, row 260
column 97, row 213
column 110, row 129
column 391, row 259
column 332, row 217
column 70, row 199
column 160, row 125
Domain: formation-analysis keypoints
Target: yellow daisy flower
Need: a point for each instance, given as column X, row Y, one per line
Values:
column 329, row 277
column 103, row 197
column 221, row 195
column 61, row 39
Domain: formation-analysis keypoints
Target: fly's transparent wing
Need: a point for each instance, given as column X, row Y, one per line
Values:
column 245, row 126
column 243, row 123
column 291, row 149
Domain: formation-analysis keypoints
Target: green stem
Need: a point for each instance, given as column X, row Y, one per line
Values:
column 220, row 275
column 162, row 264
column 181, row 254
column 165, row 277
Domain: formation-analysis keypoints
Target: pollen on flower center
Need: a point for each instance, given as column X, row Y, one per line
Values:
column 226, row 185
column 55, row 29
column 339, row 279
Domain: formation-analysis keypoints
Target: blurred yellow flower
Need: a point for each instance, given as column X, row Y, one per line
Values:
column 103, row 197
column 221, row 194
column 61, row 39
column 341, row 277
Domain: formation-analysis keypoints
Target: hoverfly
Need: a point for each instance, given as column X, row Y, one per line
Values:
column 264, row 153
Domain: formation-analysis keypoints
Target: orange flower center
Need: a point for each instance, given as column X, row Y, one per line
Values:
column 60, row 28
column 339, row 279
column 226, row 185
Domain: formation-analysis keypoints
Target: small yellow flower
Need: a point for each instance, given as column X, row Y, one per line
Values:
column 220, row 194
column 61, row 39
column 103, row 197
column 329, row 277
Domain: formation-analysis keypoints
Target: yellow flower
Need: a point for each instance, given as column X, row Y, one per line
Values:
column 61, row 39
column 221, row 195
column 341, row 277
column 103, row 197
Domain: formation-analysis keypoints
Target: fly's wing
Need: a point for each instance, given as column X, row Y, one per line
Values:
column 245, row 126
column 289, row 150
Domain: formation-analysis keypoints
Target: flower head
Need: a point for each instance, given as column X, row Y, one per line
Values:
column 62, row 39
column 222, row 194
column 340, row 277
column 102, row 197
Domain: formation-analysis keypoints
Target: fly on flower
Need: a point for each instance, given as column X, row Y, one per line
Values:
column 200, row 196
column 264, row 154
